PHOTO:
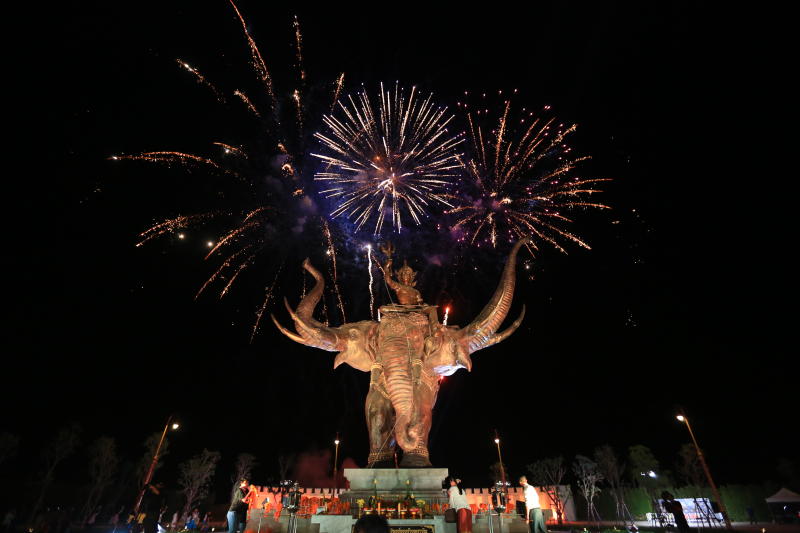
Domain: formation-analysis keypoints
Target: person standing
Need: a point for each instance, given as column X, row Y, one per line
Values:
column 671, row 505
column 238, row 509
column 534, row 509
column 458, row 501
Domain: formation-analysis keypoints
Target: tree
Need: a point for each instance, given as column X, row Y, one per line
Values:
column 9, row 443
column 688, row 466
column 641, row 462
column 549, row 473
column 195, row 477
column 103, row 462
column 245, row 462
column 611, row 469
column 61, row 447
column 588, row 476
column 150, row 446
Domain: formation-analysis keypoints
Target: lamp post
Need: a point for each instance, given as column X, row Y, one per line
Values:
column 683, row 418
column 336, row 464
column 502, row 468
column 149, row 476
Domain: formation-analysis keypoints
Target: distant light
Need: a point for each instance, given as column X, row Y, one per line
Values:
column 210, row 244
column 497, row 441
column 336, row 442
column 181, row 236
column 681, row 418
column 175, row 425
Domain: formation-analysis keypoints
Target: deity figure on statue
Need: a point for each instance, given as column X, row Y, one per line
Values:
column 404, row 286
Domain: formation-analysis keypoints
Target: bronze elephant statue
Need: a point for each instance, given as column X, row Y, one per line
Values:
column 405, row 352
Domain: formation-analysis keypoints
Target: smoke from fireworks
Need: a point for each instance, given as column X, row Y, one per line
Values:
column 397, row 161
column 522, row 180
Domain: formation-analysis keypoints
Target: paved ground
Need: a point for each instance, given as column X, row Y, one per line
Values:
column 743, row 527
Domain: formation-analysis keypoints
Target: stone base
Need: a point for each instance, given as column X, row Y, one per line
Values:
column 261, row 523
column 344, row 524
column 395, row 483
column 505, row 523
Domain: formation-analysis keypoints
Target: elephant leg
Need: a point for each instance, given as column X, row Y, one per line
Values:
column 380, row 425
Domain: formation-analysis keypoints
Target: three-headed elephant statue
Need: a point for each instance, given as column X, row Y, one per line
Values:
column 406, row 352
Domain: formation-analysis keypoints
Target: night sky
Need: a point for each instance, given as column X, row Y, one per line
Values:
column 674, row 305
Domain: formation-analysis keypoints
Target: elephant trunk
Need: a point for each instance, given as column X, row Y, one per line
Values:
column 399, row 386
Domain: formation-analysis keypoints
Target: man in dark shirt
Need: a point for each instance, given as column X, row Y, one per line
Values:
column 238, row 509
column 671, row 505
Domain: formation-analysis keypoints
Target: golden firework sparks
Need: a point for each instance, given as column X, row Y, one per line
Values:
column 523, row 180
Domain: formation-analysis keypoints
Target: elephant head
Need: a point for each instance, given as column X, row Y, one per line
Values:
column 405, row 354
column 351, row 340
column 449, row 348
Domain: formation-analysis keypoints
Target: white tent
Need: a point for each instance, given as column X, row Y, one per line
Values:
column 784, row 496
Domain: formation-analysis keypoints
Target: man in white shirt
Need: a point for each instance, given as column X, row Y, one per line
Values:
column 535, row 517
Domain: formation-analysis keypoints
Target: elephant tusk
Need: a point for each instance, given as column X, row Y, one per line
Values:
column 503, row 335
column 481, row 331
column 293, row 336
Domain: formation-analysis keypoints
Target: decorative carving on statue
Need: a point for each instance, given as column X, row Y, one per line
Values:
column 405, row 353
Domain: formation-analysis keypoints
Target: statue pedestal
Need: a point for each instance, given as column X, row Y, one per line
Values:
column 395, row 483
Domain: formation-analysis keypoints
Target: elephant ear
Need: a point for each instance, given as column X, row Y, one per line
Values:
column 359, row 352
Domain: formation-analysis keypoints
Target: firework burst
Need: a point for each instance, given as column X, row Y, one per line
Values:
column 397, row 161
column 522, row 179
column 265, row 200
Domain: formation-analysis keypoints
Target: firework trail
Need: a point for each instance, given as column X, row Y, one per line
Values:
column 331, row 252
column 337, row 90
column 243, row 97
column 201, row 79
column 170, row 226
column 399, row 160
column 228, row 149
column 371, row 282
column 298, row 41
column 225, row 264
column 258, row 61
column 521, row 180
column 267, row 296
column 169, row 158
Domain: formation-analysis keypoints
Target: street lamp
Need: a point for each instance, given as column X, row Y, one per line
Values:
column 502, row 468
column 153, row 463
column 336, row 463
column 682, row 418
